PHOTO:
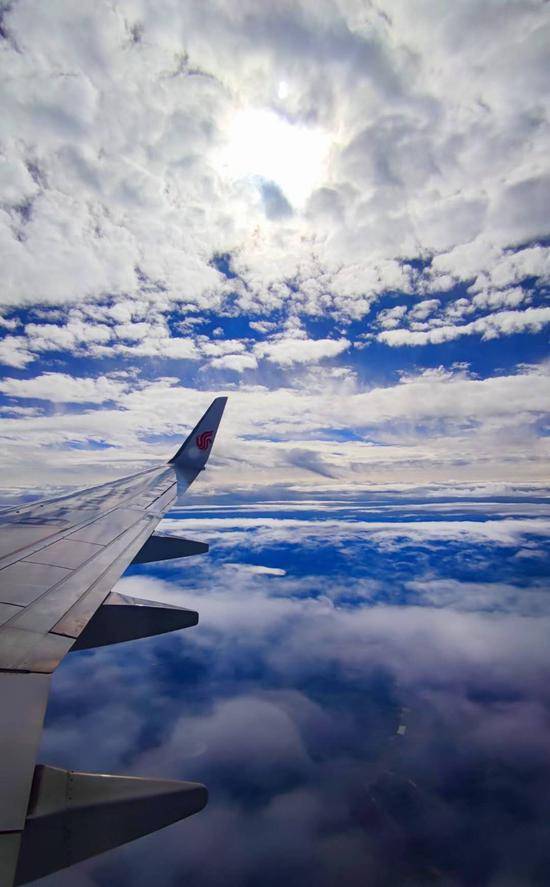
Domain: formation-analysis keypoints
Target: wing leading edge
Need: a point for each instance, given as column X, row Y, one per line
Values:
column 58, row 562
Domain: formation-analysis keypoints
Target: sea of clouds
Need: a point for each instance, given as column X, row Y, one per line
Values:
column 366, row 697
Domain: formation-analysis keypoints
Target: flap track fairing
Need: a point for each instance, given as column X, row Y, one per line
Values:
column 163, row 548
column 123, row 618
column 73, row 815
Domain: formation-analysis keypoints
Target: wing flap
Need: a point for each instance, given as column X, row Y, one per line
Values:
column 23, row 650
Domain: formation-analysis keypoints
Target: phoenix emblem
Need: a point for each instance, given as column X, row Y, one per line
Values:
column 204, row 439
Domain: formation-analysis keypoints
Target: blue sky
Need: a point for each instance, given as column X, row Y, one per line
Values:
column 335, row 213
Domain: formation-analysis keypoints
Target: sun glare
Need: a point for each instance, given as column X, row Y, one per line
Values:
column 262, row 144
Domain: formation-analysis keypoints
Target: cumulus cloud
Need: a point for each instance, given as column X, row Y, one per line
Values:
column 288, row 351
column 66, row 337
column 14, row 352
column 423, row 309
column 502, row 323
column 221, row 347
column 63, row 388
column 236, row 362
column 113, row 160
column 391, row 317
column 509, row 298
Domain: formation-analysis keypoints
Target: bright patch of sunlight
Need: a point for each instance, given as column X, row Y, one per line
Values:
column 263, row 145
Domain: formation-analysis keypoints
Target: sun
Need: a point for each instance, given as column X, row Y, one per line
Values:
column 262, row 144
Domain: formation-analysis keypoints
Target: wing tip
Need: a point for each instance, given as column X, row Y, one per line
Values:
column 216, row 408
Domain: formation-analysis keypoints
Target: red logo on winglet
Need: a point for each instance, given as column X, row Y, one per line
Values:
column 204, row 440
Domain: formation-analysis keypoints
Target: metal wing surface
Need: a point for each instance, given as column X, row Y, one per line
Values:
column 59, row 560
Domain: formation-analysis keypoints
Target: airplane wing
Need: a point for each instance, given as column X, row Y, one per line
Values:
column 59, row 560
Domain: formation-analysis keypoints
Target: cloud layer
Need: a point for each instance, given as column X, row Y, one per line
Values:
column 342, row 712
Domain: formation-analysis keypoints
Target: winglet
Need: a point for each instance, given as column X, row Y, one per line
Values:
column 193, row 454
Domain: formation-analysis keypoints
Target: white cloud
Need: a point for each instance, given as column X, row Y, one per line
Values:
column 386, row 536
column 63, row 388
column 262, row 326
column 81, row 337
column 389, row 318
column 423, row 309
column 509, row 298
column 282, row 665
column 273, row 737
column 514, row 267
column 256, row 569
column 502, row 323
column 14, row 352
column 489, row 597
column 137, row 332
column 170, row 348
column 67, row 337
column 221, row 347
column 110, row 174
column 236, row 362
column 10, row 323
column 291, row 350
column 20, row 411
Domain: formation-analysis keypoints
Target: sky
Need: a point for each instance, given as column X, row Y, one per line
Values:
column 334, row 213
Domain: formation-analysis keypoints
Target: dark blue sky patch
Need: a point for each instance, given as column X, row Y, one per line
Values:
column 222, row 262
